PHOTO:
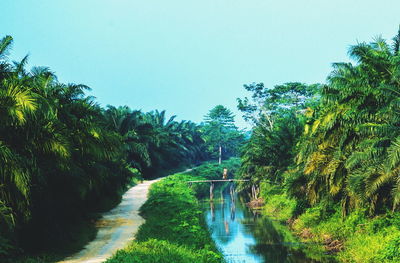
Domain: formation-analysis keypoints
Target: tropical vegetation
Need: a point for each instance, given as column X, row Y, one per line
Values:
column 222, row 138
column 64, row 158
column 325, row 158
column 327, row 155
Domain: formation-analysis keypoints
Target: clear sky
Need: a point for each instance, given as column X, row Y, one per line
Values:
column 187, row 56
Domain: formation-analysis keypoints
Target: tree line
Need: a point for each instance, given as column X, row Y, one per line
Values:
column 336, row 143
column 64, row 157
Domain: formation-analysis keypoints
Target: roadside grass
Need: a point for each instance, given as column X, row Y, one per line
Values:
column 162, row 251
column 172, row 213
column 174, row 230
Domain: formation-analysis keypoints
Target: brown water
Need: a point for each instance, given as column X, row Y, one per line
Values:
column 116, row 228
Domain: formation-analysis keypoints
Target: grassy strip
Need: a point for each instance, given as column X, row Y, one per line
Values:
column 172, row 213
column 162, row 251
column 354, row 239
column 175, row 230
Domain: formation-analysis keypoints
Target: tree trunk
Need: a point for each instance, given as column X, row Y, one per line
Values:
column 220, row 154
column 211, row 191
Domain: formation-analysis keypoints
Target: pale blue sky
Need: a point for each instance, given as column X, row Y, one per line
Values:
column 187, row 56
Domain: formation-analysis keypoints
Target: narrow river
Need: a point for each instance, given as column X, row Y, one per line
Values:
column 245, row 236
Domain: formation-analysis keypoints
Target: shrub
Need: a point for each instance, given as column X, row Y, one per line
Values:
column 277, row 203
column 391, row 249
column 309, row 219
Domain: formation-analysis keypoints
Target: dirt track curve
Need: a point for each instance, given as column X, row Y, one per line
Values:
column 116, row 228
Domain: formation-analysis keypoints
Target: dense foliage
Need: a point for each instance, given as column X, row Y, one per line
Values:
column 154, row 143
column 57, row 157
column 334, row 149
column 339, row 142
column 63, row 157
column 278, row 118
column 349, row 149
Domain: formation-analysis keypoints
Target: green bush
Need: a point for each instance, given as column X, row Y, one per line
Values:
column 309, row 219
column 362, row 248
column 373, row 240
column 277, row 203
column 366, row 240
column 391, row 250
column 48, row 258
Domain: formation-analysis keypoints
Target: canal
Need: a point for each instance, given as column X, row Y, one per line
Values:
column 244, row 235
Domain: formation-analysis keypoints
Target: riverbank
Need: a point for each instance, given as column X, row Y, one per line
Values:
column 355, row 238
column 175, row 230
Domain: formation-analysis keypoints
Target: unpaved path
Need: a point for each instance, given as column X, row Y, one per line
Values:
column 116, row 228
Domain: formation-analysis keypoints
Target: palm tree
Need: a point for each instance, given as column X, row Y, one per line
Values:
column 348, row 149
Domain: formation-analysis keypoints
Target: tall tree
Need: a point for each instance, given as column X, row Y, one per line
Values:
column 349, row 150
column 267, row 104
column 220, row 133
column 277, row 115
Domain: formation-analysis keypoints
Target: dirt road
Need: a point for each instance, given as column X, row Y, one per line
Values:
column 116, row 228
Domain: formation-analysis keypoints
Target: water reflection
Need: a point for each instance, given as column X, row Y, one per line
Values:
column 245, row 236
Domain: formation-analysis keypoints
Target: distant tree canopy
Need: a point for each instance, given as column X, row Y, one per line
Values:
column 222, row 137
column 336, row 143
column 219, row 115
column 153, row 142
column 265, row 105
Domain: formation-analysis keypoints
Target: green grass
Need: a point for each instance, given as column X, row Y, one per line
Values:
column 162, row 252
column 365, row 239
column 277, row 204
column 172, row 213
column 175, row 230
column 372, row 239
